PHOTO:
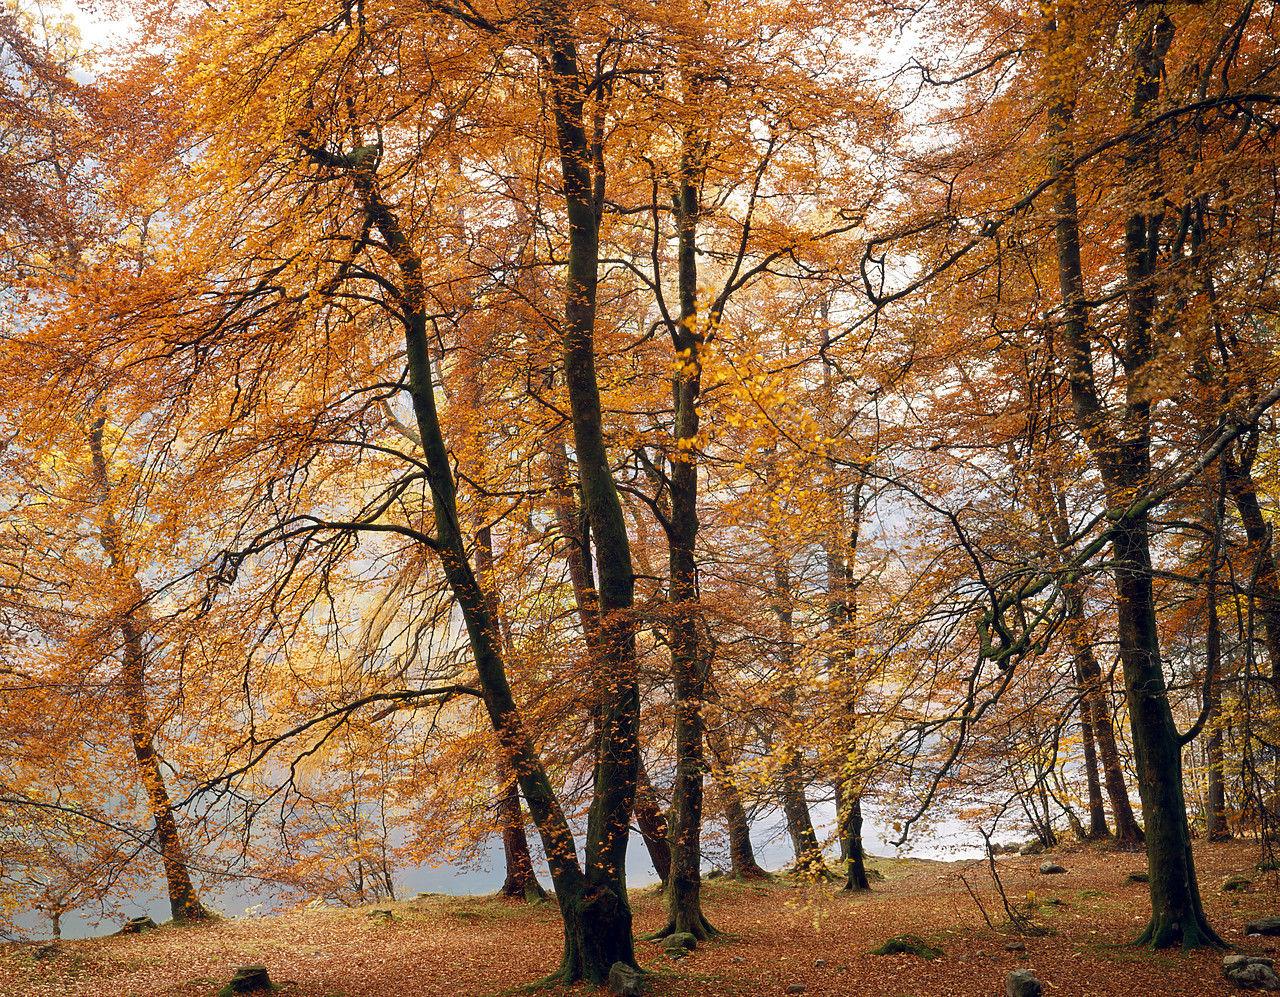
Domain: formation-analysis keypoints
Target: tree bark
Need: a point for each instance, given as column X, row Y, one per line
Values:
column 690, row 661
column 184, row 902
column 742, row 855
column 1124, row 464
column 593, row 901
column 1098, row 829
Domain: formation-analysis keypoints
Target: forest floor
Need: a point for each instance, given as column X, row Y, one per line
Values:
column 775, row 936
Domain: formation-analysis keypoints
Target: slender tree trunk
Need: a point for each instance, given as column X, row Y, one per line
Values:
column 791, row 781
column 1097, row 816
column 741, row 853
column 851, row 838
column 1266, row 590
column 521, row 880
column 690, row 665
column 653, row 825
column 1216, row 826
column 184, row 903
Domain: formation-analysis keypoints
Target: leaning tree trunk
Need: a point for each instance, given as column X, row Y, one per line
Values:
column 184, row 903
column 593, row 901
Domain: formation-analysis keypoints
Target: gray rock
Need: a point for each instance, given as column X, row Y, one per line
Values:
column 137, row 925
column 1250, row 972
column 1263, row 926
column 737, row 958
column 1020, row 983
column 627, row 981
column 680, row 940
column 1031, row 848
column 819, row 962
column 796, row 988
column 1050, row 868
column 1015, row 946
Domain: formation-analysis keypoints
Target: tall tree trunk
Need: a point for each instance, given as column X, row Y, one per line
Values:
column 1123, row 460
column 520, row 880
column 1089, row 674
column 690, row 664
column 592, row 900
column 184, row 903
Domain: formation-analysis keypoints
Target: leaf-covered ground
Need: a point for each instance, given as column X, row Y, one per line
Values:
column 776, row 936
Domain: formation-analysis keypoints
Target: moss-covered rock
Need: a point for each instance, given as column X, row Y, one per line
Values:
column 910, row 945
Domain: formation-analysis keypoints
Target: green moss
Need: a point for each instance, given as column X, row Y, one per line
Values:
column 910, row 945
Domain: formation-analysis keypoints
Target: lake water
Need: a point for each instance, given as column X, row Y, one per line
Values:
column 772, row 845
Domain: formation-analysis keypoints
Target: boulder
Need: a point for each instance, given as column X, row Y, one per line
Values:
column 385, row 912
column 1250, row 972
column 1031, row 848
column 137, row 925
column 248, row 980
column 1263, row 926
column 1020, row 983
column 1236, row 883
column 1050, row 868
column 627, row 981
column 1015, row 946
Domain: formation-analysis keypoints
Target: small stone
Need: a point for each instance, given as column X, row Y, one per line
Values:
column 1263, row 926
column 1136, row 877
column 1234, row 884
column 963, row 958
column 737, row 958
column 1015, row 946
column 842, row 969
column 626, row 981
column 1050, row 869
column 819, row 962
column 796, row 988
column 1250, row 972
column 137, row 925
column 982, row 952
column 1020, row 983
